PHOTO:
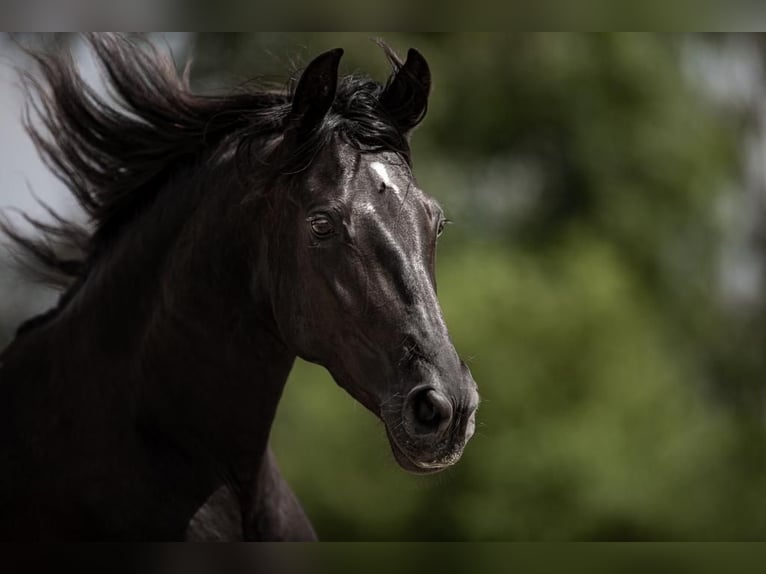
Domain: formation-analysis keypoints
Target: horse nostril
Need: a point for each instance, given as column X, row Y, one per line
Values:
column 432, row 410
column 426, row 410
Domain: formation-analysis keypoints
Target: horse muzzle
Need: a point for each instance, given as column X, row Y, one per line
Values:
column 430, row 432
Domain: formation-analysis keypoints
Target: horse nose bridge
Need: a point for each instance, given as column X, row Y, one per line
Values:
column 441, row 366
column 431, row 346
column 426, row 338
column 428, row 320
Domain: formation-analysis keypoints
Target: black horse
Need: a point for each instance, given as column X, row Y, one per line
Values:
column 226, row 236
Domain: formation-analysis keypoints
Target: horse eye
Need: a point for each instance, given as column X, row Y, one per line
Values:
column 322, row 226
column 440, row 228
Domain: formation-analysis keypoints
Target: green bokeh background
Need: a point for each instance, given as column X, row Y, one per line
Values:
column 622, row 398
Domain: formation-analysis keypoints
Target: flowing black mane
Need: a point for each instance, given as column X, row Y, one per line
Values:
column 114, row 154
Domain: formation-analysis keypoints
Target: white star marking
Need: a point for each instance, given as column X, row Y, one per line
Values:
column 380, row 169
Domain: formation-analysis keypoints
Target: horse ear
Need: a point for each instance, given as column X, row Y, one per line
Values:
column 315, row 93
column 405, row 96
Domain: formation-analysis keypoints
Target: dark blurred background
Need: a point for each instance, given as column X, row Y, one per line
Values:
column 603, row 278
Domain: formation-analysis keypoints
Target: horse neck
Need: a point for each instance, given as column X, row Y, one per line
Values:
column 215, row 362
column 170, row 321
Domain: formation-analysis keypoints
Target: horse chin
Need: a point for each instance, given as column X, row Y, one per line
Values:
column 408, row 464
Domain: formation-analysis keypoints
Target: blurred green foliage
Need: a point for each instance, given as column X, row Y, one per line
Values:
column 580, row 281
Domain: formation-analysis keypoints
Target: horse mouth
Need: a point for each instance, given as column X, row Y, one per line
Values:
column 413, row 466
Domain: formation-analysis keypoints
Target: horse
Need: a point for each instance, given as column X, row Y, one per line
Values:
column 225, row 235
